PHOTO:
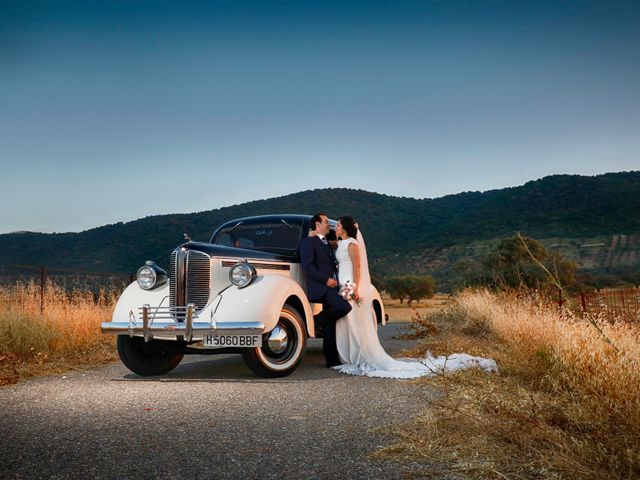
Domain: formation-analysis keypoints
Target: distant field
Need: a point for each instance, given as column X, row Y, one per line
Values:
column 401, row 313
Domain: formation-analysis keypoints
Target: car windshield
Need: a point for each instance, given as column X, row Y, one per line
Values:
column 277, row 237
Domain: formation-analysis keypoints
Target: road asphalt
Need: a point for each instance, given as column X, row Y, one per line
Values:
column 209, row 418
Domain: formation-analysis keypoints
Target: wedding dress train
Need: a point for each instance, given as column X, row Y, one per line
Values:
column 357, row 337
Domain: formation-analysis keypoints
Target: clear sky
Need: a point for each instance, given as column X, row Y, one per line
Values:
column 112, row 111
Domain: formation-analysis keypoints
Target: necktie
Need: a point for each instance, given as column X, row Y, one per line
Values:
column 324, row 240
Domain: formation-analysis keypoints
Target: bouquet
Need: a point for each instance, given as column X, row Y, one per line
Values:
column 348, row 291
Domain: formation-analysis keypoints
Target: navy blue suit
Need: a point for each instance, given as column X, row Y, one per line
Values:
column 319, row 263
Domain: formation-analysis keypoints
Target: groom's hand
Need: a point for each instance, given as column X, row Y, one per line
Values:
column 332, row 283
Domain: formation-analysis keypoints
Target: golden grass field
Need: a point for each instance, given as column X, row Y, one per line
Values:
column 65, row 337
column 566, row 403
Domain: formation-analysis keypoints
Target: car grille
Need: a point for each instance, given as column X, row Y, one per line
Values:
column 189, row 279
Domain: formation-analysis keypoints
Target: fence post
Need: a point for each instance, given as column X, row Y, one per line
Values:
column 583, row 301
column 560, row 301
column 42, row 278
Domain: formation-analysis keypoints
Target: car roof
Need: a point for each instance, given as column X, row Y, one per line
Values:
column 277, row 218
column 291, row 218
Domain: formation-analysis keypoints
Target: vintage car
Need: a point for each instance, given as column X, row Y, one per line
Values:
column 243, row 292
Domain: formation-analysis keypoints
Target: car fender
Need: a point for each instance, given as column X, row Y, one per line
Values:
column 135, row 297
column 262, row 300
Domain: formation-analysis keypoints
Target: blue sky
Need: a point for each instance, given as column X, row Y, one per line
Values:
column 112, row 111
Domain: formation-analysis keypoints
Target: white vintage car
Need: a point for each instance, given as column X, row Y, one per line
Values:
column 243, row 292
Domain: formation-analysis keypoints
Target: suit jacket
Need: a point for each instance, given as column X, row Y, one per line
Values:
column 319, row 263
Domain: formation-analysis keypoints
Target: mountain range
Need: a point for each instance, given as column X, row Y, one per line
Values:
column 594, row 220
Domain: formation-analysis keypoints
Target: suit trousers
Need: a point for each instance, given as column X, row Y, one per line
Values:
column 334, row 307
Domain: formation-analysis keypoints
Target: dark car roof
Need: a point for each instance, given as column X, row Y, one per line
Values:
column 292, row 219
column 289, row 217
column 296, row 219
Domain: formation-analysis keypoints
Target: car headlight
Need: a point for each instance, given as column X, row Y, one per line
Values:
column 242, row 274
column 151, row 276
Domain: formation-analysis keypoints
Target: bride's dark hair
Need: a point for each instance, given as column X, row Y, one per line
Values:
column 349, row 226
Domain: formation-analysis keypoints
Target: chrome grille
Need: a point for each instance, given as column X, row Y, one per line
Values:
column 198, row 279
column 172, row 279
column 166, row 313
column 190, row 279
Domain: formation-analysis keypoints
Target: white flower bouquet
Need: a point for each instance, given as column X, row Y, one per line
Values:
column 348, row 291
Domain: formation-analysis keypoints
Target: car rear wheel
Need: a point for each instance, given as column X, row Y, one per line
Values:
column 282, row 348
column 148, row 358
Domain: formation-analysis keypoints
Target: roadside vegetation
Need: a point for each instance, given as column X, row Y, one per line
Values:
column 64, row 335
column 413, row 288
column 565, row 404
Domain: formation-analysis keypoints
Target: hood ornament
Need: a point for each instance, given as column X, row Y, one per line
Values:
column 187, row 237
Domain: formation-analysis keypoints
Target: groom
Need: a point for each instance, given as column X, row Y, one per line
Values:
column 319, row 263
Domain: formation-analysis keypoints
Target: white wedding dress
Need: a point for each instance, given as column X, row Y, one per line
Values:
column 357, row 336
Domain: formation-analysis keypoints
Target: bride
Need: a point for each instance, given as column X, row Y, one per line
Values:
column 356, row 335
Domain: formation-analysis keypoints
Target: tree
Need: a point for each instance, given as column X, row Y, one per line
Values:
column 394, row 287
column 419, row 287
column 411, row 287
column 520, row 261
column 467, row 272
column 377, row 282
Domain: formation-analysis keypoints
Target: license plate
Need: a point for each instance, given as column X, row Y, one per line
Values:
column 244, row 341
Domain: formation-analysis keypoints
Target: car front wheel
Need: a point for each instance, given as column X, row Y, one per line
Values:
column 282, row 348
column 148, row 358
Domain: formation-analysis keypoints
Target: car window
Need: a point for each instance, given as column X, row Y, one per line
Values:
column 276, row 237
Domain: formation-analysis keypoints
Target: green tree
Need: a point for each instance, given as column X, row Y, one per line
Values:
column 419, row 287
column 467, row 272
column 394, row 287
column 520, row 261
column 378, row 282
column 411, row 287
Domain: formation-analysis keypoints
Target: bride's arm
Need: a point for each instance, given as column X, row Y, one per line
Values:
column 355, row 260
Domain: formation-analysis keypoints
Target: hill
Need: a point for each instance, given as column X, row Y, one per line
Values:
column 594, row 219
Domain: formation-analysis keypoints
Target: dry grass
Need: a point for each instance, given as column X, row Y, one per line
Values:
column 65, row 336
column 403, row 313
column 566, row 403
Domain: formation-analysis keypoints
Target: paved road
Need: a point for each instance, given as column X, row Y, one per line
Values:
column 209, row 418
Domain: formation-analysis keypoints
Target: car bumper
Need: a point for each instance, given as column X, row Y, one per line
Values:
column 171, row 323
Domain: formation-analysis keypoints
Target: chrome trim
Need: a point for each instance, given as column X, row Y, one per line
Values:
column 160, row 321
column 198, row 278
column 160, row 276
column 278, row 340
column 155, row 277
column 188, row 336
column 172, row 278
column 258, row 265
column 145, row 322
column 181, row 284
column 190, row 279
column 252, row 272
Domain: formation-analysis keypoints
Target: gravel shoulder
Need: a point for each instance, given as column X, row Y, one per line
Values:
column 209, row 418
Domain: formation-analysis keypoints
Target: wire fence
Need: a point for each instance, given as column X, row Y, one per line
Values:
column 608, row 304
column 37, row 288
column 612, row 304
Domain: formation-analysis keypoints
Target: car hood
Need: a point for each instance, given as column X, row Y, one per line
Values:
column 222, row 251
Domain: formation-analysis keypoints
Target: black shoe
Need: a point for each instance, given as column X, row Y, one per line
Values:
column 319, row 326
column 333, row 364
